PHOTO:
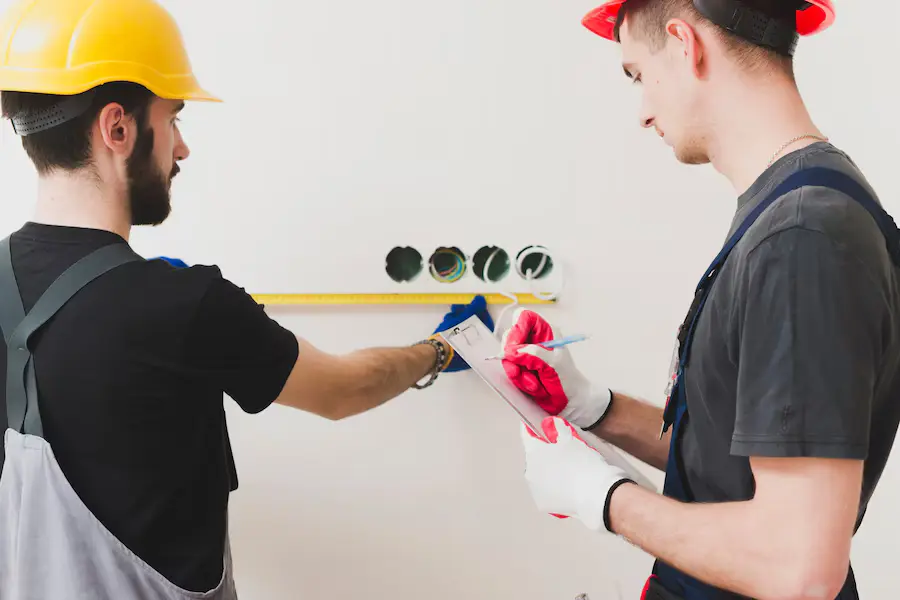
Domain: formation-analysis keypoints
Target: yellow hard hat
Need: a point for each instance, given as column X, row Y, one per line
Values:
column 66, row 47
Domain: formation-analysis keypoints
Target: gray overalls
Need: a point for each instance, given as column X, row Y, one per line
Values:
column 51, row 546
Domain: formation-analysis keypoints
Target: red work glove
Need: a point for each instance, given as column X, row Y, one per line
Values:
column 550, row 376
column 566, row 477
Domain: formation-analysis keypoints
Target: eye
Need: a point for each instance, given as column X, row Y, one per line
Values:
column 636, row 80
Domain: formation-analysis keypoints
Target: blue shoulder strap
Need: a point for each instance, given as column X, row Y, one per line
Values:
column 817, row 177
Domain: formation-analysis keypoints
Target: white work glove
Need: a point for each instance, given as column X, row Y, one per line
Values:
column 568, row 478
column 549, row 376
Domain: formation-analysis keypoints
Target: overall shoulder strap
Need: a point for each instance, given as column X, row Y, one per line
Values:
column 836, row 180
column 21, row 387
column 11, row 310
column 819, row 177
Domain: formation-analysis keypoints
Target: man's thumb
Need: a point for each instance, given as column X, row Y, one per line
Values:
column 557, row 430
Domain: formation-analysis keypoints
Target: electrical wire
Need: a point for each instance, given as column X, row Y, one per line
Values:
column 451, row 273
column 531, row 276
column 456, row 268
column 487, row 266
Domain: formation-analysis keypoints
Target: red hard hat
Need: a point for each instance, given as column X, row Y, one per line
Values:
column 817, row 16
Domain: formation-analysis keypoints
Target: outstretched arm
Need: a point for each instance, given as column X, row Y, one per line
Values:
column 234, row 345
column 340, row 386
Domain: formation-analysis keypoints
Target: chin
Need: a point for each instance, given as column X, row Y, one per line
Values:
column 691, row 156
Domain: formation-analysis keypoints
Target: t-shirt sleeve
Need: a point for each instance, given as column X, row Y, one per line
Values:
column 810, row 323
column 237, row 347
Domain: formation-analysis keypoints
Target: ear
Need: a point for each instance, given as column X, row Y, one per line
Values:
column 688, row 43
column 118, row 129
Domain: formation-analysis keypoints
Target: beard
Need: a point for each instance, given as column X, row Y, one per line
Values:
column 149, row 191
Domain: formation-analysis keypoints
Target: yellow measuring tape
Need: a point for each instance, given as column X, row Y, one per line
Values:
column 349, row 299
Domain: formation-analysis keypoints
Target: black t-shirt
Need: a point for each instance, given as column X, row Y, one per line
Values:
column 131, row 374
column 797, row 351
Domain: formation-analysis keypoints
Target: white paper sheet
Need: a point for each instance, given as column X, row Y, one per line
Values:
column 474, row 342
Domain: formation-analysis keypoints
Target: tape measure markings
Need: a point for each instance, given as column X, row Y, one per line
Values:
column 387, row 298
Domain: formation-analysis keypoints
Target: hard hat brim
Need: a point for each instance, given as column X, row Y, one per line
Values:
column 76, row 81
column 814, row 19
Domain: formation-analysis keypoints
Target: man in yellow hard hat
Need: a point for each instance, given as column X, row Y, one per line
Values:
column 117, row 465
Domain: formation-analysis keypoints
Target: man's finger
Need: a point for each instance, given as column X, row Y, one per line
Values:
column 544, row 354
column 528, row 327
column 529, row 356
column 529, row 383
column 517, row 330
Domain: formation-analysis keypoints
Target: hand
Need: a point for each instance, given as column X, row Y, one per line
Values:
column 568, row 478
column 550, row 376
column 459, row 313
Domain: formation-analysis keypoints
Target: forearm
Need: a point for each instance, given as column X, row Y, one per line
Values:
column 337, row 387
column 734, row 546
column 634, row 426
column 375, row 375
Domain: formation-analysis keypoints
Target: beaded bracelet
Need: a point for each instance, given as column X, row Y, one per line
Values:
column 441, row 362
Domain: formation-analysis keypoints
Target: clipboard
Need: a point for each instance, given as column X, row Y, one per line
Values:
column 474, row 342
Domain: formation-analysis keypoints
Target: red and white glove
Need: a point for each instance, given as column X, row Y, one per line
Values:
column 568, row 478
column 550, row 376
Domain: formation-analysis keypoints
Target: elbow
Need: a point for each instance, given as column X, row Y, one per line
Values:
column 335, row 410
column 810, row 578
column 327, row 407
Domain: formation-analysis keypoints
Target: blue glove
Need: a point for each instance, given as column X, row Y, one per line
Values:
column 459, row 313
column 175, row 262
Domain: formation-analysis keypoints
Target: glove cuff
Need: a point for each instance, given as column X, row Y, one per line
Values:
column 603, row 415
column 588, row 411
column 609, row 494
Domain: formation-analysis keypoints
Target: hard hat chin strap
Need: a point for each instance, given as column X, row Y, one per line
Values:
column 778, row 33
column 59, row 113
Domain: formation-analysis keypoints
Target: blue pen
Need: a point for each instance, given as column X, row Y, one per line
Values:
column 550, row 344
column 569, row 339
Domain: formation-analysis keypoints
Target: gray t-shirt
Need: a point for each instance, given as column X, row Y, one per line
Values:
column 797, row 351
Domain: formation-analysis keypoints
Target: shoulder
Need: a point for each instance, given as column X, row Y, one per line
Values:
column 820, row 216
column 159, row 277
column 158, row 290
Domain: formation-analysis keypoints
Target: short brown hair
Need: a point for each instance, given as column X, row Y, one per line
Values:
column 648, row 18
column 68, row 146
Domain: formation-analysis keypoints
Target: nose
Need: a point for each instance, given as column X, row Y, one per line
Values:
column 646, row 112
column 181, row 148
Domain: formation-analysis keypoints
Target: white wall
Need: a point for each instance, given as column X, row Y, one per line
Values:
column 341, row 141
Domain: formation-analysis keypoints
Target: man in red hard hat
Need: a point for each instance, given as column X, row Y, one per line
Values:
column 784, row 397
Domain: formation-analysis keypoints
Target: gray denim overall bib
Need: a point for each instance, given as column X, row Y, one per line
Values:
column 51, row 546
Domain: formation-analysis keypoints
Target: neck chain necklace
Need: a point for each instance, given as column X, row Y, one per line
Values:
column 791, row 141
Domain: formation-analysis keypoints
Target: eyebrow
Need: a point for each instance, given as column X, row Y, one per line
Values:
column 178, row 107
column 628, row 67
